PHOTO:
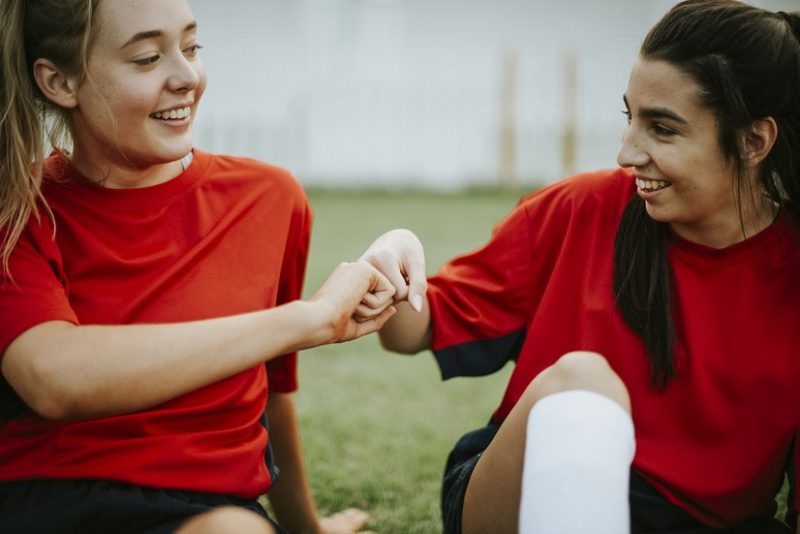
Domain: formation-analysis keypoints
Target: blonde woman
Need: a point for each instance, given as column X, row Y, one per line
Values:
column 149, row 312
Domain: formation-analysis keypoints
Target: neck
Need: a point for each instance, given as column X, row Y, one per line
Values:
column 126, row 175
column 732, row 229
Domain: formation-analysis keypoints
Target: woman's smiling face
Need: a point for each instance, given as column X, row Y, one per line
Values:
column 136, row 105
column 672, row 144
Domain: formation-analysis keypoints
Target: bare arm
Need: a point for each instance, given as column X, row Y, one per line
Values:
column 409, row 331
column 63, row 371
column 290, row 497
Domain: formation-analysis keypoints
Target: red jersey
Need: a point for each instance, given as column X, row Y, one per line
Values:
column 716, row 441
column 227, row 236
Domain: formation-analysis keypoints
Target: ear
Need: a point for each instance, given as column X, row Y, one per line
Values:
column 57, row 86
column 758, row 141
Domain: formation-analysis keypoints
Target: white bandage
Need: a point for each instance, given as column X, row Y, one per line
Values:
column 578, row 452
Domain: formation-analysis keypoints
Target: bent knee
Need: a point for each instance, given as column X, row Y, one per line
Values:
column 227, row 519
column 579, row 370
column 581, row 366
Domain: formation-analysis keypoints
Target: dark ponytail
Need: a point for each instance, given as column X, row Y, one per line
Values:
column 642, row 281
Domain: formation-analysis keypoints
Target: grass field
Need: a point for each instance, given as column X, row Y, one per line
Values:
column 376, row 426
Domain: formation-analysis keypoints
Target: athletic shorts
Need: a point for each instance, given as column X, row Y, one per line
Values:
column 84, row 506
column 650, row 511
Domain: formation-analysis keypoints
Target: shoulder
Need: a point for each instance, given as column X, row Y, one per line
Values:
column 581, row 205
column 252, row 173
column 598, row 189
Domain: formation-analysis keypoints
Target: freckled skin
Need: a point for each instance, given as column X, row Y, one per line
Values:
column 113, row 129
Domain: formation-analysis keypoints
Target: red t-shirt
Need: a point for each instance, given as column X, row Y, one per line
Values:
column 227, row 236
column 717, row 440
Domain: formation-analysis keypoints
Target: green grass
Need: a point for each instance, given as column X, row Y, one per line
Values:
column 377, row 427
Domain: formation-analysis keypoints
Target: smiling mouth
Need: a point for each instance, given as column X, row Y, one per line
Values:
column 651, row 186
column 173, row 114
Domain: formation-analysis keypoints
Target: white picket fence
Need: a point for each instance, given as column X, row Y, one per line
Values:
column 387, row 139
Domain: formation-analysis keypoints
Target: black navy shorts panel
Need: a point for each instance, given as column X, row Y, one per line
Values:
column 82, row 506
column 460, row 464
column 651, row 513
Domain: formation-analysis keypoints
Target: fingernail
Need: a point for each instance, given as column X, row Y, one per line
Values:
column 416, row 302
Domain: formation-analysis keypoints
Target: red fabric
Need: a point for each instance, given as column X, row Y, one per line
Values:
column 227, row 236
column 716, row 441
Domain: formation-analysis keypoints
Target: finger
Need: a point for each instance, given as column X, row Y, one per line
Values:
column 391, row 267
column 382, row 287
column 417, row 282
column 374, row 324
column 359, row 320
column 377, row 301
column 367, row 312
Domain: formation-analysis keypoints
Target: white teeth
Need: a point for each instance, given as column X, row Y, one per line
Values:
column 651, row 185
column 180, row 113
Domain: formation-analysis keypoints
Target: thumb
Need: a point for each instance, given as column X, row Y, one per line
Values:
column 417, row 283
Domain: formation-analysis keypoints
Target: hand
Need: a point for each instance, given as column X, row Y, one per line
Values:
column 399, row 256
column 355, row 300
column 345, row 522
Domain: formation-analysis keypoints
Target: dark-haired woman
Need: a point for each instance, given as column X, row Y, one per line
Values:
column 652, row 311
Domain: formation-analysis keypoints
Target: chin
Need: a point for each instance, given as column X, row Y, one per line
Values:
column 657, row 214
column 168, row 155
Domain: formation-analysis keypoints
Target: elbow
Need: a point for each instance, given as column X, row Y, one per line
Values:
column 47, row 394
column 400, row 346
column 54, row 404
column 43, row 368
column 52, row 409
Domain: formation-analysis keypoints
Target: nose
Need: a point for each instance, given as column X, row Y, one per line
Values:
column 186, row 74
column 632, row 152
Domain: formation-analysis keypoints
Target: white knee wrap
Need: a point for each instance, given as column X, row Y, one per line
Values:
column 578, row 453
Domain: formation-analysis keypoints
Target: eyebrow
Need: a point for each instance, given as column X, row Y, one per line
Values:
column 658, row 112
column 141, row 36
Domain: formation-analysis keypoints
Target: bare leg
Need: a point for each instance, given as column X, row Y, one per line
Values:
column 227, row 519
column 491, row 503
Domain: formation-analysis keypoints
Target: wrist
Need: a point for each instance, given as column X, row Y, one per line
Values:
column 316, row 328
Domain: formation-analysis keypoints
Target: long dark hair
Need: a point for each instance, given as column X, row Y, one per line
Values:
column 746, row 62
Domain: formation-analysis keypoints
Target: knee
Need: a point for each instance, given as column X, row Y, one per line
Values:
column 579, row 370
column 227, row 519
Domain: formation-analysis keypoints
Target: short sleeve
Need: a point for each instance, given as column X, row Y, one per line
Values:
column 35, row 291
column 480, row 302
column 282, row 371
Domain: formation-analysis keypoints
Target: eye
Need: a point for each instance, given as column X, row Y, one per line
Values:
column 148, row 60
column 627, row 114
column 663, row 130
column 191, row 51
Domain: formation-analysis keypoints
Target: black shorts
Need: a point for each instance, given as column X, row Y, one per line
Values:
column 83, row 506
column 650, row 511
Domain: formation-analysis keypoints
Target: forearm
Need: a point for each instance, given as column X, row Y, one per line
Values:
column 72, row 372
column 409, row 331
column 290, row 497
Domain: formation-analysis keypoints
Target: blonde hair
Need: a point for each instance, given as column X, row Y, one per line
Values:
column 58, row 30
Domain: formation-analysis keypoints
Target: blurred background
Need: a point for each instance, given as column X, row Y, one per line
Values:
column 437, row 93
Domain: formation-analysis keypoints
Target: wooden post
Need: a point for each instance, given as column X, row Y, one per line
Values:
column 569, row 137
column 507, row 149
